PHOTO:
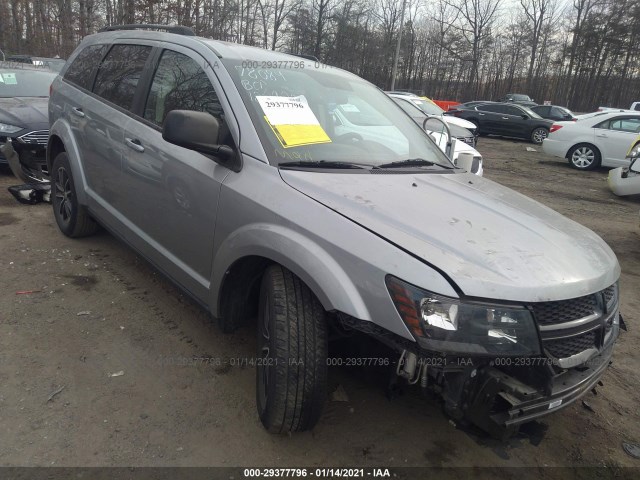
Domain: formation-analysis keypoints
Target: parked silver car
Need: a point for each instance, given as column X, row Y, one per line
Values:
column 223, row 166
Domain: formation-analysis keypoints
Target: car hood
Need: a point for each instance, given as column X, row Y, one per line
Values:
column 461, row 122
column 27, row 112
column 490, row 241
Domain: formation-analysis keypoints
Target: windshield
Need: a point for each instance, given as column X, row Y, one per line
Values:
column 25, row 83
column 427, row 107
column 316, row 113
column 519, row 97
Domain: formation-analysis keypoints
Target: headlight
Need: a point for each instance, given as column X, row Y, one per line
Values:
column 6, row 128
column 448, row 325
column 635, row 152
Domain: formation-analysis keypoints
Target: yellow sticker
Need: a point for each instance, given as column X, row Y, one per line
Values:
column 292, row 121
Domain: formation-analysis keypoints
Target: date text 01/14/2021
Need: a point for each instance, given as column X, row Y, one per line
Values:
column 316, row 472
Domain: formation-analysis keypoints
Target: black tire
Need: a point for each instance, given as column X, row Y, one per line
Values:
column 584, row 156
column 539, row 134
column 291, row 375
column 72, row 218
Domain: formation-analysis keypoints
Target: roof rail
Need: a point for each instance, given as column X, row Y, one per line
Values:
column 178, row 29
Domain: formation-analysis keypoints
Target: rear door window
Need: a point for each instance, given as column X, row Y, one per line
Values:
column 493, row 108
column 542, row 111
column 509, row 110
column 83, row 67
column 119, row 74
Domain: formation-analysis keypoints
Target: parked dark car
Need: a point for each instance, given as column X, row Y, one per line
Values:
column 507, row 120
column 554, row 112
column 24, row 120
column 518, row 98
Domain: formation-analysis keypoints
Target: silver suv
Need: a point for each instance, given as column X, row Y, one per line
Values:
column 228, row 168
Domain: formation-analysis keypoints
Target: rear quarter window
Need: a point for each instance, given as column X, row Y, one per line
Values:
column 83, row 67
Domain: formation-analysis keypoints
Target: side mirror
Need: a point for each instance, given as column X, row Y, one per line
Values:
column 198, row 131
column 524, row 116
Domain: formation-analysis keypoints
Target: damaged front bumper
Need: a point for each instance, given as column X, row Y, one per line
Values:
column 27, row 161
column 499, row 403
column 500, row 394
column 622, row 181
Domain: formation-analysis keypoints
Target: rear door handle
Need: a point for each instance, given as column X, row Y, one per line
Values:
column 134, row 144
column 481, row 114
column 78, row 111
column 602, row 135
column 505, row 118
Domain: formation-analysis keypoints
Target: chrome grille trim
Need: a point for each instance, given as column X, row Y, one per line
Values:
column 39, row 137
column 572, row 323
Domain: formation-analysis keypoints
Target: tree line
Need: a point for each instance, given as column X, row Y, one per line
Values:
column 578, row 53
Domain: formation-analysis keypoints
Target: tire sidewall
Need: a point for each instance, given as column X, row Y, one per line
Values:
column 62, row 161
column 266, row 410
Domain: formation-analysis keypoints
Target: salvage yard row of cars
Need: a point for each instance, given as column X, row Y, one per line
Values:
column 309, row 199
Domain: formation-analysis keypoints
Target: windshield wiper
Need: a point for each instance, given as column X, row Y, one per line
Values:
column 412, row 162
column 323, row 164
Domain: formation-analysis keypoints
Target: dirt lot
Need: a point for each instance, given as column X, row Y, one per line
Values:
column 99, row 309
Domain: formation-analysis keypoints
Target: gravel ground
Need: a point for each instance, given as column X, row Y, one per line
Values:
column 98, row 310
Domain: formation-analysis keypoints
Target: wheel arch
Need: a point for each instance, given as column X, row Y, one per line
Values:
column 61, row 140
column 577, row 144
column 244, row 255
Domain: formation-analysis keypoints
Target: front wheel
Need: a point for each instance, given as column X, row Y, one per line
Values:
column 584, row 157
column 539, row 134
column 72, row 218
column 291, row 373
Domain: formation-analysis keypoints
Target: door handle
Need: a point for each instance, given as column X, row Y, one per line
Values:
column 78, row 111
column 481, row 114
column 134, row 144
column 505, row 118
column 602, row 135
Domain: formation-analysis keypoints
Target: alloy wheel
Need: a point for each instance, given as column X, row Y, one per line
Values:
column 63, row 195
column 583, row 157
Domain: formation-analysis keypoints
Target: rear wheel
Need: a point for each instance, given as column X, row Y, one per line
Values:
column 291, row 374
column 539, row 134
column 584, row 156
column 72, row 218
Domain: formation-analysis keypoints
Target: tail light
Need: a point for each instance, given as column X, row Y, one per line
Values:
column 554, row 128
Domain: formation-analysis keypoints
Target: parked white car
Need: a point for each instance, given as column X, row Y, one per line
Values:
column 458, row 148
column 360, row 122
column 601, row 140
column 626, row 180
column 430, row 108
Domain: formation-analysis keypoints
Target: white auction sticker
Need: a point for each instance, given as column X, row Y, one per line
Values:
column 287, row 110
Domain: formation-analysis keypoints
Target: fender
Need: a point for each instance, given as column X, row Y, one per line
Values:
column 62, row 129
column 329, row 282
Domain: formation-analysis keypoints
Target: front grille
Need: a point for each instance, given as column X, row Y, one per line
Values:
column 475, row 166
column 566, row 347
column 549, row 313
column 609, row 293
column 569, row 327
column 38, row 137
column 467, row 140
